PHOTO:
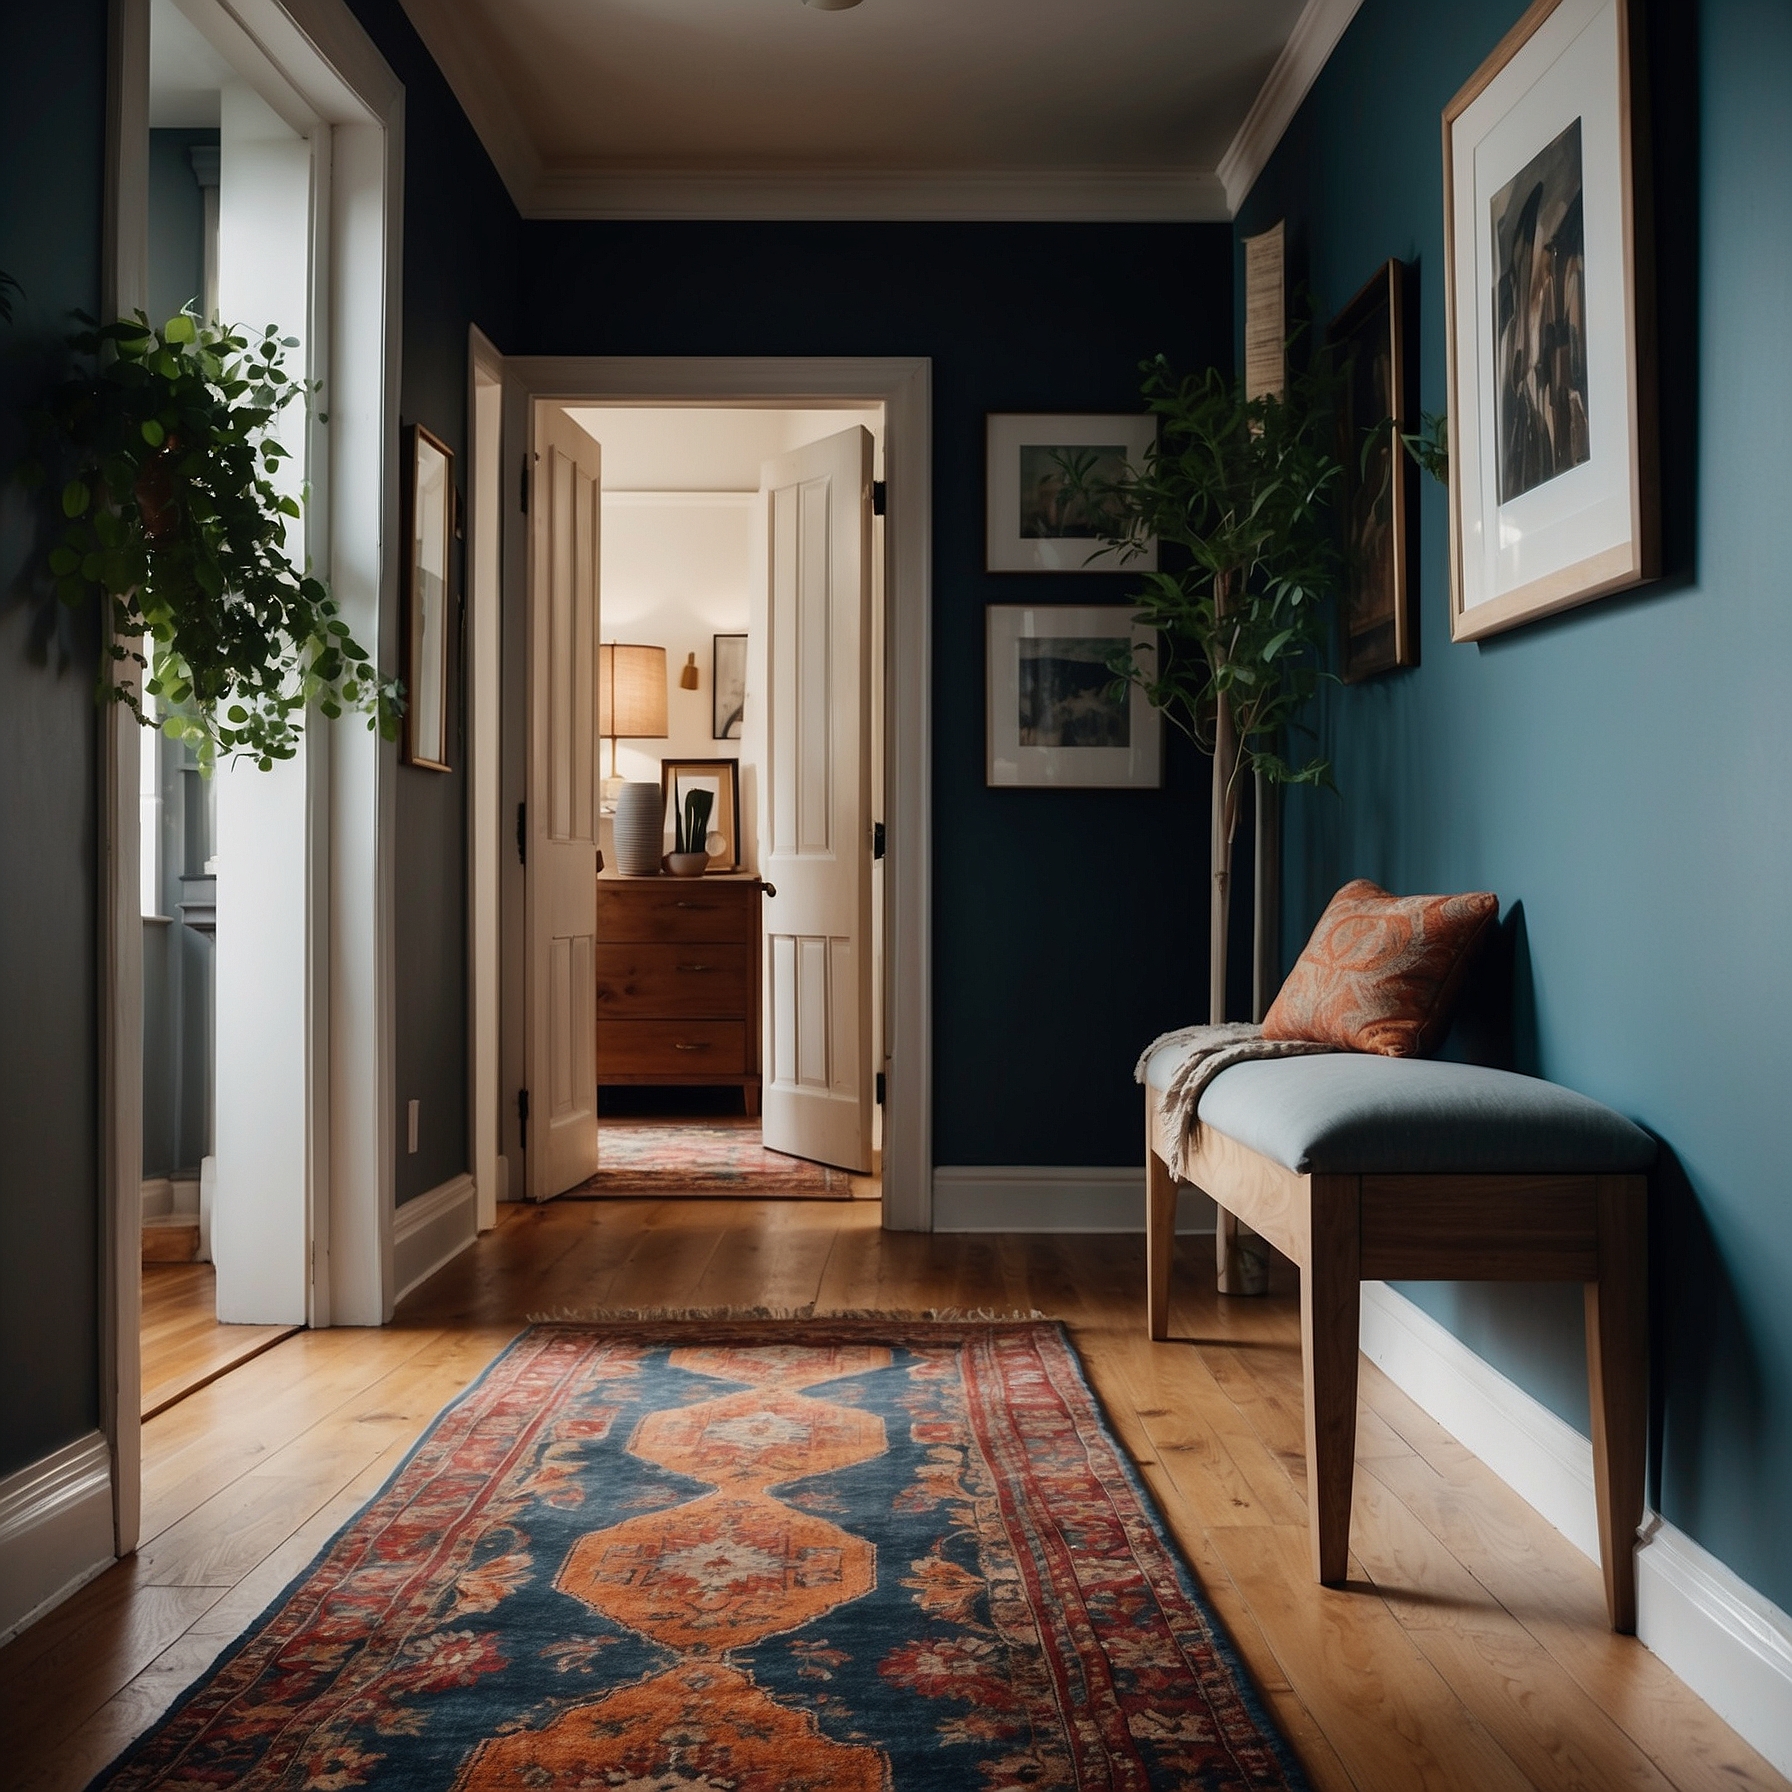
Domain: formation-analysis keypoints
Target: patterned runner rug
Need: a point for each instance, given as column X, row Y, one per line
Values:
column 835, row 1556
column 705, row 1158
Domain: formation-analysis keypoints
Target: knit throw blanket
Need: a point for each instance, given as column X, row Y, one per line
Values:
column 1210, row 1050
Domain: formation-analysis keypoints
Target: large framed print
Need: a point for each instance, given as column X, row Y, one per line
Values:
column 1377, row 495
column 1054, row 716
column 429, row 528
column 1032, row 523
column 1552, row 413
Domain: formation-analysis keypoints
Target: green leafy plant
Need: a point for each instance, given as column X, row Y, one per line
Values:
column 1236, row 490
column 1429, row 445
column 9, row 290
column 168, row 459
column 690, row 829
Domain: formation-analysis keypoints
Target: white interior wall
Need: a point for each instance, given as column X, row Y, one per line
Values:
column 679, row 486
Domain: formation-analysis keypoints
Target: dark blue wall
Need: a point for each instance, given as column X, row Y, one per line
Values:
column 1069, row 926
column 1622, row 776
column 52, row 137
column 460, row 267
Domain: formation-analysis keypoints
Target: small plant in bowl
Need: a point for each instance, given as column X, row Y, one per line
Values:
column 690, row 834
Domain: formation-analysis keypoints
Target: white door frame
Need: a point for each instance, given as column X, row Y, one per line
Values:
column 903, row 386
column 316, row 64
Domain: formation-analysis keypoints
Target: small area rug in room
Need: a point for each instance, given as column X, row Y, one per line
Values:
column 661, row 1158
column 852, row 1555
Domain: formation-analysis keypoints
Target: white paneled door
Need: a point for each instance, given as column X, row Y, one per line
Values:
column 810, row 712
column 560, row 832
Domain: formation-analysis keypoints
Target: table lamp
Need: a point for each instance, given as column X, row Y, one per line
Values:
column 631, row 700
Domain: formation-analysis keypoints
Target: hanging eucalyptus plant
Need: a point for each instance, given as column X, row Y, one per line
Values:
column 168, row 458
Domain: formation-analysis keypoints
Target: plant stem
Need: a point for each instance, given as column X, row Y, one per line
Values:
column 1224, row 824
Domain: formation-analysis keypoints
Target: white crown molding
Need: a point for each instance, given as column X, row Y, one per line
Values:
column 1308, row 49
column 986, row 195
column 1052, row 1198
column 467, row 67
column 1729, row 1643
column 55, row 1529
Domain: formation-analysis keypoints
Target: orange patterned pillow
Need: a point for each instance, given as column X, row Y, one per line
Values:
column 1381, row 972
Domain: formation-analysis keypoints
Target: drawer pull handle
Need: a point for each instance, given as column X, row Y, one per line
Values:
column 699, row 1046
column 696, row 967
column 702, row 905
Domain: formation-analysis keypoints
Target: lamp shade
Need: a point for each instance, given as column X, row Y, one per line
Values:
column 631, row 691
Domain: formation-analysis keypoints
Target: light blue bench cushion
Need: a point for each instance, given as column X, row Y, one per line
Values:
column 1350, row 1113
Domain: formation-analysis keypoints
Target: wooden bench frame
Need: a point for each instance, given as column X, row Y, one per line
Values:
column 1340, row 1229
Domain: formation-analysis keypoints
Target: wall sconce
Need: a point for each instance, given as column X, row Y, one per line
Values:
column 687, row 679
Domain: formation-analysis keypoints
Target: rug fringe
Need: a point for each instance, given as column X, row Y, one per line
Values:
column 903, row 1315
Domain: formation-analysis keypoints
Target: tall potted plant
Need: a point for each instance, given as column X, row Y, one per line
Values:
column 167, row 456
column 1237, row 489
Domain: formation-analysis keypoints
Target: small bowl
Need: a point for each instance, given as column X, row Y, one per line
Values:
column 687, row 864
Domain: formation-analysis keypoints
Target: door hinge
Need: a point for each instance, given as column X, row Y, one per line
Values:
column 522, row 1118
column 880, row 1088
column 523, row 495
column 880, row 496
column 877, row 839
column 522, row 834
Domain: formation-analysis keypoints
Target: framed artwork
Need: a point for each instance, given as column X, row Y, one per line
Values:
column 1055, row 719
column 720, row 777
column 429, row 520
column 1552, row 414
column 1378, row 492
column 728, row 684
column 1032, row 526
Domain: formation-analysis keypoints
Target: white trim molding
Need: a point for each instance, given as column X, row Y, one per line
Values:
column 1309, row 47
column 55, row 1529
column 432, row 1229
column 1053, row 1198
column 979, row 195
column 1729, row 1643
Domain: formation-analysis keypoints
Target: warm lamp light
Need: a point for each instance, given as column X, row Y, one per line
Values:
column 631, row 696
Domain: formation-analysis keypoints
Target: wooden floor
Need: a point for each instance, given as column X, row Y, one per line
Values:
column 184, row 1346
column 1468, row 1652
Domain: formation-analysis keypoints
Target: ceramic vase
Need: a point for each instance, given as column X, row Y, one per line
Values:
column 640, row 828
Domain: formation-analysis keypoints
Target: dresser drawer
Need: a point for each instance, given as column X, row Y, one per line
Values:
column 652, row 981
column 673, row 909
column 670, row 1050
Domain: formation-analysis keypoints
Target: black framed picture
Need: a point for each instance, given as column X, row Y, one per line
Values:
column 728, row 685
column 429, row 505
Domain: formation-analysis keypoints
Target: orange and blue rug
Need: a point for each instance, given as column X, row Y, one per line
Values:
column 659, row 1159
column 741, row 1556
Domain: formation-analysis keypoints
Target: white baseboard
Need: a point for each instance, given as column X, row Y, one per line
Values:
column 1052, row 1198
column 1729, row 1643
column 428, row 1231
column 55, row 1530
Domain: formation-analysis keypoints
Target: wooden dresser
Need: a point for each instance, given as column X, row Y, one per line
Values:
column 678, row 980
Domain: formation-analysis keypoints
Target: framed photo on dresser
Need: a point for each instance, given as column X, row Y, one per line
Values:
column 721, row 778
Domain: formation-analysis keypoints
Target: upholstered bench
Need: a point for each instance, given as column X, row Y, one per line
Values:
column 1355, row 1165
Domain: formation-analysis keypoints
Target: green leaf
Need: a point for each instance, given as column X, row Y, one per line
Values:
column 178, row 329
column 75, row 498
column 153, row 433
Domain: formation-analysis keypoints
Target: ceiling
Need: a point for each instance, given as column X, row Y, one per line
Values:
column 893, row 108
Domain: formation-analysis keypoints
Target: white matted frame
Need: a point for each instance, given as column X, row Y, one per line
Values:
column 315, row 64
column 1027, row 528
column 1549, row 322
column 1052, row 719
column 903, row 386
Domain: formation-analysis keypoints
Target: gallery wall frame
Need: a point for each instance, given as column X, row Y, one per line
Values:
column 720, row 776
column 1029, row 525
column 429, row 502
column 1053, row 720
column 1549, row 320
column 1378, row 490
column 728, row 685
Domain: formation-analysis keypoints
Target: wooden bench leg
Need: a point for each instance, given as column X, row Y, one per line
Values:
column 1160, row 1230
column 1330, row 1304
column 1618, row 1385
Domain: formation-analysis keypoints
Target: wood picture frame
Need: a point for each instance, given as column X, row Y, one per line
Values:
column 1378, row 489
column 723, row 776
column 1051, row 722
column 1549, row 321
column 429, row 526
column 1026, row 527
